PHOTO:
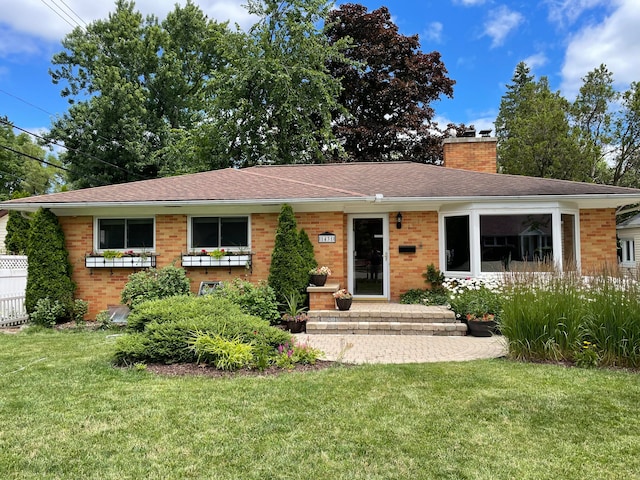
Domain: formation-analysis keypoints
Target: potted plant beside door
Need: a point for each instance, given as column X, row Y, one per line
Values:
column 318, row 275
column 343, row 299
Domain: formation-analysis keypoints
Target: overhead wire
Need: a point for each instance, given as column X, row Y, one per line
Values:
column 60, row 15
column 93, row 157
column 53, row 165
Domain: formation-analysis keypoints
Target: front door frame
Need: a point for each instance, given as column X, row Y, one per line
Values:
column 386, row 295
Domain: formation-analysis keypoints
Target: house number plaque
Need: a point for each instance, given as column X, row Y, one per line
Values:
column 327, row 237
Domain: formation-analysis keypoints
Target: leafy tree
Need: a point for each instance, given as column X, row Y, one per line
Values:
column 287, row 274
column 21, row 167
column 533, row 131
column 272, row 102
column 134, row 86
column 49, row 270
column 593, row 121
column 387, row 88
column 626, row 139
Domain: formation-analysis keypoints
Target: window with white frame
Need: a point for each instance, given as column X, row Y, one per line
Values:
column 125, row 233
column 628, row 250
column 219, row 232
column 490, row 238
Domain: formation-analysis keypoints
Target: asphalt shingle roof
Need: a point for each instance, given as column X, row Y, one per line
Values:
column 328, row 181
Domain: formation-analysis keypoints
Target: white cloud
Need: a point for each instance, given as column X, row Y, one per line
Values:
column 34, row 18
column 468, row 3
column 567, row 11
column 16, row 44
column 615, row 42
column 536, row 60
column 500, row 23
column 434, row 32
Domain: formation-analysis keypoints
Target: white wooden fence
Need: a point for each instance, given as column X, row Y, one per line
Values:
column 13, row 282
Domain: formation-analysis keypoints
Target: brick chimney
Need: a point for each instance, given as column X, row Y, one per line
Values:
column 477, row 154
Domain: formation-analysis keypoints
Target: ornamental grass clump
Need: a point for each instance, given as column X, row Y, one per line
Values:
column 553, row 316
column 542, row 315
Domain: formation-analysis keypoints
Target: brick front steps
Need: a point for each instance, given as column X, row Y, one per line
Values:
column 386, row 319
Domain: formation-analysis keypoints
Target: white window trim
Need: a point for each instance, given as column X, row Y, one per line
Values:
column 474, row 211
column 625, row 243
column 96, row 234
column 228, row 248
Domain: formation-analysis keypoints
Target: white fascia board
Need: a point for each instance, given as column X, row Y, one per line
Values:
column 347, row 204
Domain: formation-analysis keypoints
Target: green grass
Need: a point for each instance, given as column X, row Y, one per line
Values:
column 66, row 413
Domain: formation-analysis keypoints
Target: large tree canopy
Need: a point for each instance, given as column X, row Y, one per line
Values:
column 272, row 102
column 533, row 131
column 596, row 138
column 388, row 90
column 134, row 85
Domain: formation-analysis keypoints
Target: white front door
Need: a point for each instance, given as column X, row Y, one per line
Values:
column 368, row 261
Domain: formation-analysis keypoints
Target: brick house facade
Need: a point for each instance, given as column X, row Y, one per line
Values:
column 463, row 217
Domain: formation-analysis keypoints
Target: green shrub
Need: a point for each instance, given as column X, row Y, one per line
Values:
column 289, row 354
column 424, row 297
column 47, row 313
column 80, row 309
column 224, row 354
column 168, row 324
column 257, row 300
column 17, row 239
column 154, row 284
column 287, row 273
column 130, row 349
column 49, row 269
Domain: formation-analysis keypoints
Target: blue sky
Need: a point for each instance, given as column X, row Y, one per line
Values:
column 480, row 41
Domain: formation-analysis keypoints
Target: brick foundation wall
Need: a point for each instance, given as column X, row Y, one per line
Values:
column 477, row 154
column 598, row 248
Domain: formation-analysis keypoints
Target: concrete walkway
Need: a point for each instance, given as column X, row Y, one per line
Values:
column 404, row 348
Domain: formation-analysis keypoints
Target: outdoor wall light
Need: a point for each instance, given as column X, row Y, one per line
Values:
column 399, row 221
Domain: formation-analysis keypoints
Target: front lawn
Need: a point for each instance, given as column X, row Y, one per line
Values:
column 66, row 413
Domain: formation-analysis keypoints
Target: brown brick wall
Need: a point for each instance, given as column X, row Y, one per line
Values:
column 477, row 154
column 598, row 239
column 102, row 286
column 419, row 229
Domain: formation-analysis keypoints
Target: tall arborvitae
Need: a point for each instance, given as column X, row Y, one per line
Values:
column 306, row 251
column 286, row 274
column 49, row 271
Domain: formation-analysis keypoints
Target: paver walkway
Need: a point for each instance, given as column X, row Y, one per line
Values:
column 405, row 348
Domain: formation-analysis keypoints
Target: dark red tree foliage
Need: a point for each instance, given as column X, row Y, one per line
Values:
column 389, row 96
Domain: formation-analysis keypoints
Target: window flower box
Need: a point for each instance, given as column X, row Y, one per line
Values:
column 208, row 261
column 125, row 261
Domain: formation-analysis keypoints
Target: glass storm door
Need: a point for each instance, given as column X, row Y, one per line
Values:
column 368, row 265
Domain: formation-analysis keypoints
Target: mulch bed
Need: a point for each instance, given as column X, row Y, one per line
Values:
column 192, row 369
